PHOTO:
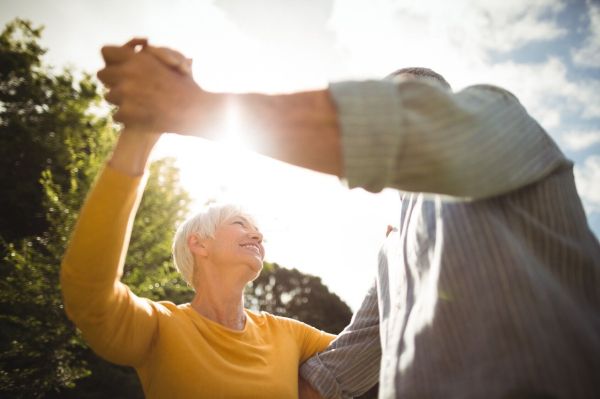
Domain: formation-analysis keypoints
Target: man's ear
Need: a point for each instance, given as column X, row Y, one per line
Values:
column 197, row 245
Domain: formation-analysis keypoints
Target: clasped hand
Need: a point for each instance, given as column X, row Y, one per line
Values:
column 152, row 87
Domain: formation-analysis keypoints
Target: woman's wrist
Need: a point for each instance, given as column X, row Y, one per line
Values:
column 132, row 151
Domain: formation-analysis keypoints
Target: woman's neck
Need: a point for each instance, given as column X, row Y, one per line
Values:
column 220, row 306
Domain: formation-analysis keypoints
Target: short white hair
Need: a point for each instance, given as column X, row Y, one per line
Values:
column 204, row 224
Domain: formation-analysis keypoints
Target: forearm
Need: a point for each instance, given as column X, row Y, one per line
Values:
column 132, row 151
column 300, row 128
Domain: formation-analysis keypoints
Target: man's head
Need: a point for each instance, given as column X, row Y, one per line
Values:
column 420, row 74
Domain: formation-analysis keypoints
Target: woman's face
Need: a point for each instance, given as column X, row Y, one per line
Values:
column 237, row 242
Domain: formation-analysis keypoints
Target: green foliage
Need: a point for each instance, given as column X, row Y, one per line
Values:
column 51, row 145
column 290, row 293
column 45, row 125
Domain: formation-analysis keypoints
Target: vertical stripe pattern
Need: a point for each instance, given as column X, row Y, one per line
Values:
column 491, row 285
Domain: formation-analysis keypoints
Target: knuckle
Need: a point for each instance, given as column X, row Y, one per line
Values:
column 101, row 74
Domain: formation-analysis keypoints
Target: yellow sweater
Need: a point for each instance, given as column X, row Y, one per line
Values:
column 176, row 352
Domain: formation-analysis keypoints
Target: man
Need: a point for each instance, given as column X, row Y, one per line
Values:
column 489, row 288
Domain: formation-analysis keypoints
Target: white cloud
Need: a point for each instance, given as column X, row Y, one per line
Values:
column 456, row 38
column 588, row 55
column 587, row 178
column 434, row 32
column 580, row 140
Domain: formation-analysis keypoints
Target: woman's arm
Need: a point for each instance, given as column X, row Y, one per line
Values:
column 117, row 324
column 132, row 151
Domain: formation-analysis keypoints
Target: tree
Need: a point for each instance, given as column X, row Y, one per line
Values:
column 40, row 112
column 290, row 293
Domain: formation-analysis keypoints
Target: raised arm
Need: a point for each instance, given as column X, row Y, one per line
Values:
column 118, row 325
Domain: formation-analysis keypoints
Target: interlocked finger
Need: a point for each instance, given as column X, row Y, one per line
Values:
column 114, row 96
column 173, row 59
column 110, row 75
column 119, row 54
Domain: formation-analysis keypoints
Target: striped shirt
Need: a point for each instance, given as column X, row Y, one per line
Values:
column 490, row 286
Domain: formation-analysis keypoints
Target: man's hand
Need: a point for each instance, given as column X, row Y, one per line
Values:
column 306, row 391
column 153, row 88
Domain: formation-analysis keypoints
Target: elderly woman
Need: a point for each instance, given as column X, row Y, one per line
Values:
column 209, row 348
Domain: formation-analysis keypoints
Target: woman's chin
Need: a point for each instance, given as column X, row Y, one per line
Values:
column 256, row 269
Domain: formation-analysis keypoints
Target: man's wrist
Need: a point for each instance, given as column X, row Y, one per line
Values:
column 203, row 113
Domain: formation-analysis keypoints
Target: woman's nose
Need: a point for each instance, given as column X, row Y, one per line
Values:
column 256, row 235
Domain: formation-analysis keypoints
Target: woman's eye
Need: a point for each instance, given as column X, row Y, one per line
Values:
column 239, row 222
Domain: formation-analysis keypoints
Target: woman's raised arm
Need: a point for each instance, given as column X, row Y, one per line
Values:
column 116, row 323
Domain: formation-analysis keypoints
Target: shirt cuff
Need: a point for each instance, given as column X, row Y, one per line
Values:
column 370, row 119
column 320, row 378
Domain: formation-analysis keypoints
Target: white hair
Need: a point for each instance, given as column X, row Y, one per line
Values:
column 204, row 224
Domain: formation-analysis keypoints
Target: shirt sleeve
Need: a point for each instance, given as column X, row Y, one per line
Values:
column 415, row 136
column 350, row 365
column 310, row 339
column 117, row 324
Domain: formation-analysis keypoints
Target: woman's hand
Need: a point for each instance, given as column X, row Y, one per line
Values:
column 171, row 58
column 154, row 89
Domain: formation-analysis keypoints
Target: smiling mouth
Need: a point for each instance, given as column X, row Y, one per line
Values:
column 253, row 247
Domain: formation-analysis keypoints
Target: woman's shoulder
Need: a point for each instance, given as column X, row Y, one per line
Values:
column 166, row 308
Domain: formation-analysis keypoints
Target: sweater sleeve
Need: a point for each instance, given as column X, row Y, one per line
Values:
column 117, row 324
column 414, row 136
column 310, row 339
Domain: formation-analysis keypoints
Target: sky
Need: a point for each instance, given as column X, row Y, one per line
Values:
column 547, row 52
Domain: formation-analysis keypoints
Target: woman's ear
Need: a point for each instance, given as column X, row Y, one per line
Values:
column 197, row 245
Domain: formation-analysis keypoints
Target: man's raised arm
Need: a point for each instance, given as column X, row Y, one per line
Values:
column 299, row 128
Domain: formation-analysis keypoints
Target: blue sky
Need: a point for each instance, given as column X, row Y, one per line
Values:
column 547, row 52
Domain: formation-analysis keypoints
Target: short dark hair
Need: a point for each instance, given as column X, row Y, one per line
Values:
column 420, row 71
